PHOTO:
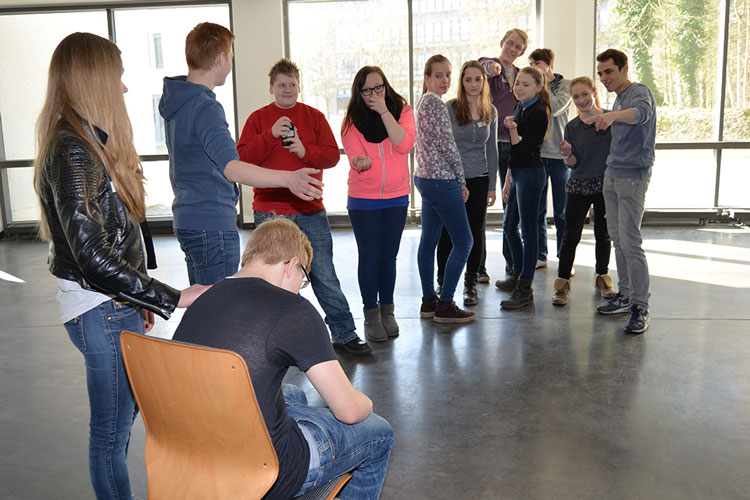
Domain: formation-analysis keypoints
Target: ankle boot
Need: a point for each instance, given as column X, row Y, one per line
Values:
column 605, row 285
column 509, row 284
column 449, row 312
column 562, row 289
column 389, row 320
column 374, row 330
column 522, row 295
column 470, row 290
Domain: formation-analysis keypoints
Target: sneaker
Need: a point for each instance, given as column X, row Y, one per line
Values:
column 639, row 319
column 616, row 305
column 428, row 306
column 449, row 312
column 483, row 277
column 604, row 285
column 541, row 264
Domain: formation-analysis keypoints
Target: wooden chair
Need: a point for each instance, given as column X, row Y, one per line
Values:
column 205, row 434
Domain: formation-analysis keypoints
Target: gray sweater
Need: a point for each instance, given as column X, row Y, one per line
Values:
column 559, row 93
column 477, row 143
column 631, row 154
column 590, row 148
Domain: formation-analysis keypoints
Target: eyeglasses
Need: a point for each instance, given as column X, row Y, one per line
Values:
column 377, row 88
column 306, row 279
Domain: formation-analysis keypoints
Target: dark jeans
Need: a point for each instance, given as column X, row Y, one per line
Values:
column 442, row 205
column 337, row 448
column 96, row 333
column 523, row 209
column 558, row 174
column 576, row 208
column 210, row 256
column 476, row 211
column 325, row 283
column 378, row 235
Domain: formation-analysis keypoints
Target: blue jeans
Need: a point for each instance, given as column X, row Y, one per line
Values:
column 625, row 200
column 558, row 174
column 96, row 334
column 523, row 208
column 336, row 448
column 442, row 205
column 325, row 283
column 210, row 256
column 378, row 235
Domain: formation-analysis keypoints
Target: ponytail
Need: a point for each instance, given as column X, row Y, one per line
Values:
column 437, row 58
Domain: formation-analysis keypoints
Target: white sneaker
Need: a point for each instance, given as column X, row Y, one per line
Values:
column 540, row 264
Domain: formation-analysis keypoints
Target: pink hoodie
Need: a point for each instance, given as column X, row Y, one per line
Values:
column 389, row 175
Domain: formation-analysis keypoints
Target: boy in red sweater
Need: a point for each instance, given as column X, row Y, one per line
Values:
column 289, row 135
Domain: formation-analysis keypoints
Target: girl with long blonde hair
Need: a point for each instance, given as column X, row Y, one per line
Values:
column 474, row 121
column 89, row 182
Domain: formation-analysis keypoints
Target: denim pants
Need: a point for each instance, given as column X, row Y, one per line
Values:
column 558, row 174
column 625, row 200
column 503, row 155
column 378, row 235
column 476, row 211
column 523, row 208
column 325, row 283
column 210, row 256
column 576, row 208
column 336, row 448
column 96, row 333
column 442, row 205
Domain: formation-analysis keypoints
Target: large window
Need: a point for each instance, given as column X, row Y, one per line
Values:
column 674, row 48
column 152, row 42
column 330, row 41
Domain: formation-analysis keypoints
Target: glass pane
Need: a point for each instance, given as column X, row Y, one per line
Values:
column 24, row 205
column 463, row 31
column 330, row 41
column 735, row 178
column 153, row 46
column 737, row 97
column 25, row 55
column 696, row 171
column 671, row 47
column 159, row 195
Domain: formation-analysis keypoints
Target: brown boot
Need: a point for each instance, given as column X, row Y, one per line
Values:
column 562, row 289
column 449, row 312
column 428, row 306
column 604, row 285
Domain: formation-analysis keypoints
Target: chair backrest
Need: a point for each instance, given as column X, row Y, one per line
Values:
column 205, row 434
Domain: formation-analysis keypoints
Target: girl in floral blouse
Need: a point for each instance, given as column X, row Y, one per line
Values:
column 439, row 176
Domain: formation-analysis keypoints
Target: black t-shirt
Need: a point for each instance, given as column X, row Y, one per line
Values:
column 272, row 329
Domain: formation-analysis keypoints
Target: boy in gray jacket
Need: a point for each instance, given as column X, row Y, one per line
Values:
column 633, row 122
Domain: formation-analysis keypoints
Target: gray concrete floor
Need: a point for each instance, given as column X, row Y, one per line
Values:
column 542, row 403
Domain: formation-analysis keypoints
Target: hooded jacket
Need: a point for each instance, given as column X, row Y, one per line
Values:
column 200, row 147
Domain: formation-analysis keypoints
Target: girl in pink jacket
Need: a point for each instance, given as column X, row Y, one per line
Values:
column 377, row 133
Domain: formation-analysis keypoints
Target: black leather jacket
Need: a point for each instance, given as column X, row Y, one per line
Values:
column 99, row 245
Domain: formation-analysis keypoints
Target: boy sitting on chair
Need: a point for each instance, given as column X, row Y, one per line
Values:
column 259, row 314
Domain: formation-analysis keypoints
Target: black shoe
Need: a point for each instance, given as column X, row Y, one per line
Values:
column 508, row 268
column 470, row 295
column 482, row 276
column 355, row 346
column 509, row 284
column 523, row 295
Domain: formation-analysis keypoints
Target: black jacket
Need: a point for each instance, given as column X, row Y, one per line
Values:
column 99, row 245
column 532, row 127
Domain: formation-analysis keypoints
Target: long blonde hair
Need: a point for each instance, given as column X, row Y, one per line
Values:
column 436, row 59
column 484, row 104
column 84, row 88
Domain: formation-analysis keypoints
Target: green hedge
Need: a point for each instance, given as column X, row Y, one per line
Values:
column 696, row 124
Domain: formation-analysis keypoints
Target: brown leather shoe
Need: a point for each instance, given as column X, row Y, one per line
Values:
column 428, row 306
column 449, row 312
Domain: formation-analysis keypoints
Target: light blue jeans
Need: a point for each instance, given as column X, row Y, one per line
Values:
column 210, row 256
column 325, row 283
column 625, row 202
column 96, row 334
column 336, row 448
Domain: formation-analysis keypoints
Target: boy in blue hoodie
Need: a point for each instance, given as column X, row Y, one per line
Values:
column 204, row 167
column 631, row 156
